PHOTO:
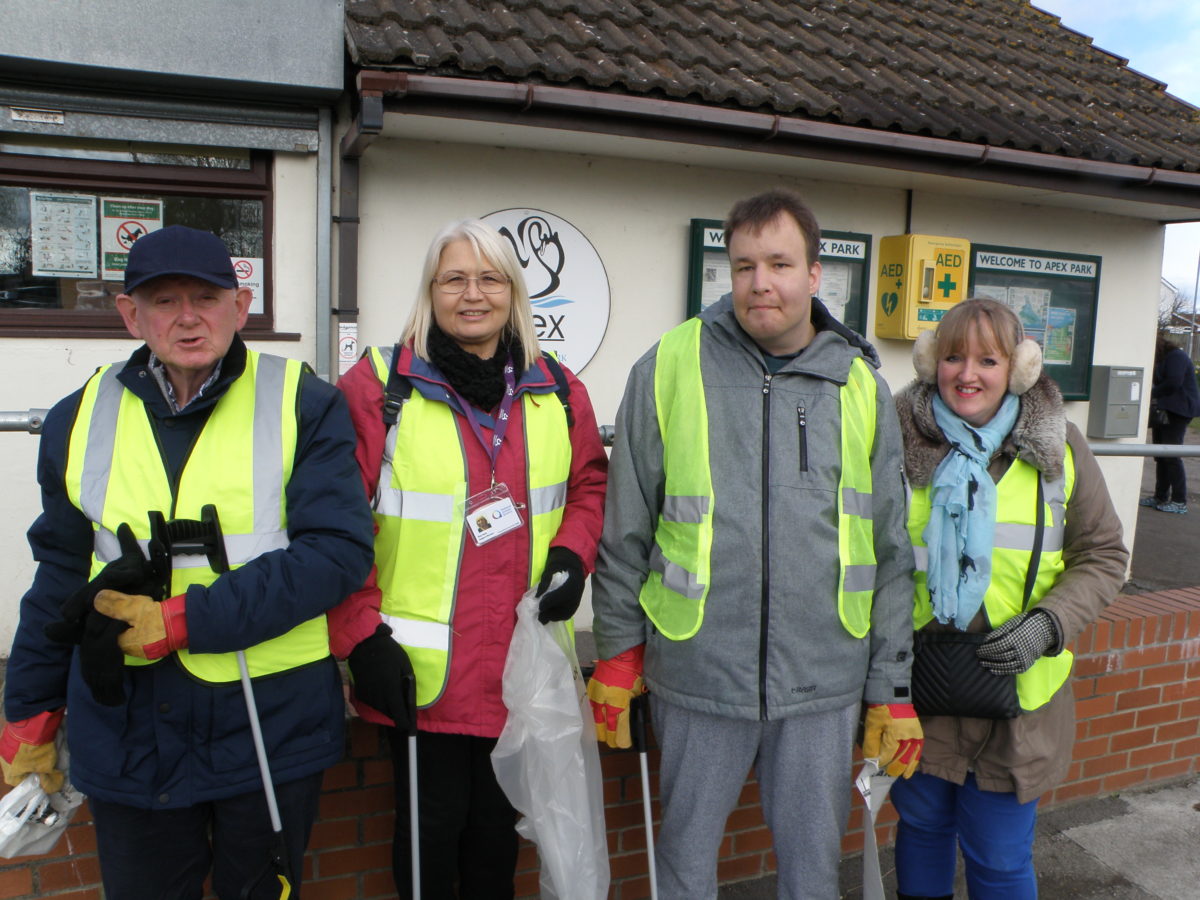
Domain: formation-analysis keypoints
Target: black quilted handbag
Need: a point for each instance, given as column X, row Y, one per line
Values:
column 947, row 679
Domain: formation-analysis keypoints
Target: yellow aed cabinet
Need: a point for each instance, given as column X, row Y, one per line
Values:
column 920, row 277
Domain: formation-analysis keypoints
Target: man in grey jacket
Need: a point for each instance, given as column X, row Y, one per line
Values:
column 754, row 572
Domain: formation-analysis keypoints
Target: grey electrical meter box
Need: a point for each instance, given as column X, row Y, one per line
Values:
column 1116, row 403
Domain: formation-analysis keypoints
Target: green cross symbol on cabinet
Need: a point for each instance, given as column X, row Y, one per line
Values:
column 946, row 285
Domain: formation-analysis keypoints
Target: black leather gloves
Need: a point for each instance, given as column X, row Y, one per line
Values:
column 130, row 572
column 1018, row 643
column 101, row 661
column 559, row 604
column 381, row 674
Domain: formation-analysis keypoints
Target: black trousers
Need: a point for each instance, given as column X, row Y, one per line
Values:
column 165, row 854
column 467, row 825
column 1170, row 480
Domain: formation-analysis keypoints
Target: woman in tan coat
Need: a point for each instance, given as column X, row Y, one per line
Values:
column 986, row 444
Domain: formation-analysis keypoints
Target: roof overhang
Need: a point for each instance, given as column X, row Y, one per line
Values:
column 600, row 123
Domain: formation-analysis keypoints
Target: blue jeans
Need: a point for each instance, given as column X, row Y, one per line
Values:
column 994, row 831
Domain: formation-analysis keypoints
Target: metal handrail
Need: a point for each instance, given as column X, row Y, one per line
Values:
column 1145, row 449
column 31, row 421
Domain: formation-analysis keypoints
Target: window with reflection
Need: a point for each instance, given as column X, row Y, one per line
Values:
column 70, row 211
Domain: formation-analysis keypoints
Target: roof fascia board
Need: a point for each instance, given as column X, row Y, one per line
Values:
column 580, row 110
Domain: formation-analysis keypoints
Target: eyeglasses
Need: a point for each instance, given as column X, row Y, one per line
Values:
column 489, row 282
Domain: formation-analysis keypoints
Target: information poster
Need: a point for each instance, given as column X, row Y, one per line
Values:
column 248, row 270
column 63, row 235
column 1055, row 296
column 122, row 222
column 844, row 258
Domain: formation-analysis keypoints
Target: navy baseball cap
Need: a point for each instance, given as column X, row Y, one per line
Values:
column 179, row 250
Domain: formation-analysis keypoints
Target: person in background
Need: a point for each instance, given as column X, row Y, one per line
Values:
column 754, row 571
column 1174, row 402
column 982, row 425
column 485, row 468
column 160, row 739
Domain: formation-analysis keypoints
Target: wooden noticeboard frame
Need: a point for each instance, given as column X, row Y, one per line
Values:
column 1055, row 295
column 845, row 260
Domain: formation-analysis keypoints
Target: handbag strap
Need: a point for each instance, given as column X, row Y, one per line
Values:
column 1035, row 556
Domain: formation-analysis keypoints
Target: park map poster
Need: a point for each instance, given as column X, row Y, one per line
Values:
column 1054, row 294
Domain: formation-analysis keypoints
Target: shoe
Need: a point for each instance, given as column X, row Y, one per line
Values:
column 1148, row 501
column 1170, row 506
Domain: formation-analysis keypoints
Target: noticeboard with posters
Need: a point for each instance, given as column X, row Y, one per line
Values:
column 1055, row 296
column 845, row 257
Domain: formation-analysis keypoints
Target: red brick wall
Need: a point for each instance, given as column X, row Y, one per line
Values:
column 1137, row 689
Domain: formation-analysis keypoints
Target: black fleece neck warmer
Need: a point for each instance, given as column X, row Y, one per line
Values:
column 480, row 381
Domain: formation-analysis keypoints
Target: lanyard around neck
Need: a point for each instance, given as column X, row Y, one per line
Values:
column 492, row 447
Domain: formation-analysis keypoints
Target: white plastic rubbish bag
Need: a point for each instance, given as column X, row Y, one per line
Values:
column 546, row 759
column 31, row 821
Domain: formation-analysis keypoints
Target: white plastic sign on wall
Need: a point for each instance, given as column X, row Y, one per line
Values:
column 567, row 284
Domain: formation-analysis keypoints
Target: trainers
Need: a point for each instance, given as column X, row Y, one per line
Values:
column 1170, row 506
column 1148, row 501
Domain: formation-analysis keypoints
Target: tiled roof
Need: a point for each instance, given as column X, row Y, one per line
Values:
column 998, row 72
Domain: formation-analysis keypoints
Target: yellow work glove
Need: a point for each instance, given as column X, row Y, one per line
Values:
column 614, row 683
column 892, row 734
column 27, row 748
column 155, row 629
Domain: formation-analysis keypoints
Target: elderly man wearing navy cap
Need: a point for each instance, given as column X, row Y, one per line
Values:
column 201, row 503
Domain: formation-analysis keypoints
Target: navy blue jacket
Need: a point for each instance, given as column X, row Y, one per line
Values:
column 177, row 742
column 1175, row 384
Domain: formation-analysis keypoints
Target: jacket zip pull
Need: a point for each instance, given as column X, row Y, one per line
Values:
column 802, row 421
column 766, row 388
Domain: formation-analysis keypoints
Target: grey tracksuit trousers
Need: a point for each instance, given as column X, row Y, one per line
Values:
column 803, row 769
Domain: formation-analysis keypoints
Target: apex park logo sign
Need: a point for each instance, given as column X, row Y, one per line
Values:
column 565, row 277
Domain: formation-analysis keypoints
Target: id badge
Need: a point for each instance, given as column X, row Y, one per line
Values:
column 491, row 513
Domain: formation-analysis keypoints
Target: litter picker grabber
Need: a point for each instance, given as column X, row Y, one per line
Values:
column 413, row 807
column 183, row 537
column 637, row 715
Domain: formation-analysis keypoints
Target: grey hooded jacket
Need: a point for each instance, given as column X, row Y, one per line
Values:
column 771, row 644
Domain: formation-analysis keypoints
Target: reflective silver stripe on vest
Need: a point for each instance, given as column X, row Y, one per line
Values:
column 239, row 548
column 859, row 578
column 415, row 505
column 675, row 577
column 419, row 633
column 102, row 436
column 1010, row 536
column 857, row 503
column 390, row 501
column 1055, row 493
column 684, row 509
column 547, row 499
column 268, row 456
column 921, row 557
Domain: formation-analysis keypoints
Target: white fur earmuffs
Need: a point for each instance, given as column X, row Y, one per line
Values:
column 1026, row 363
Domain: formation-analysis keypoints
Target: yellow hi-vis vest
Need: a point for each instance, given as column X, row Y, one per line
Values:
column 240, row 462
column 676, row 588
column 1012, row 548
column 420, row 515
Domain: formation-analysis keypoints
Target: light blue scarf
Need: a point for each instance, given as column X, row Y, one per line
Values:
column 962, row 518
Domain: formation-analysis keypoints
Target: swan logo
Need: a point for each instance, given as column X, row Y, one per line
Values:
column 566, row 280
